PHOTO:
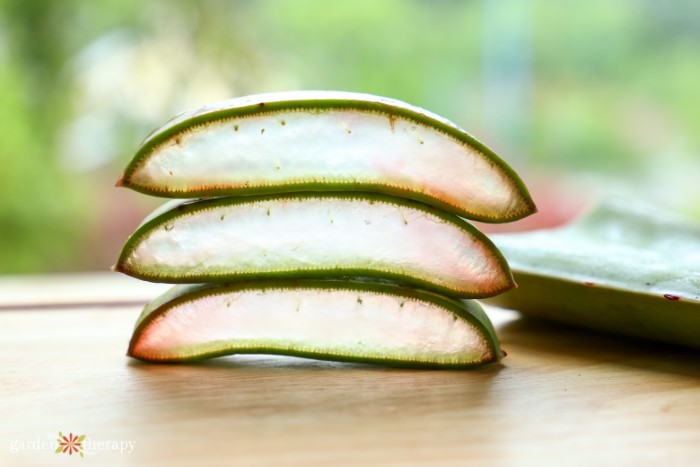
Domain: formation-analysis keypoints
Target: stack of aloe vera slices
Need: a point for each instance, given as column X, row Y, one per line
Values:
column 332, row 227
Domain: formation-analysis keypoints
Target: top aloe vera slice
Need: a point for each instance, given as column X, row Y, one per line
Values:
column 326, row 141
column 624, row 268
column 316, row 235
column 329, row 320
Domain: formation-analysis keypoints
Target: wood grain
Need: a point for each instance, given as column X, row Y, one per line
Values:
column 561, row 397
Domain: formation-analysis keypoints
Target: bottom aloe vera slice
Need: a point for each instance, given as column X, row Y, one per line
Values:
column 316, row 235
column 327, row 320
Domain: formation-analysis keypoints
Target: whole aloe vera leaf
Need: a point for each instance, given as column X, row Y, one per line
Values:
column 326, row 141
column 328, row 320
column 625, row 268
column 316, row 235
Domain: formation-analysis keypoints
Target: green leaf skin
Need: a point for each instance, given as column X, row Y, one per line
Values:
column 327, row 141
column 624, row 268
column 348, row 321
column 315, row 235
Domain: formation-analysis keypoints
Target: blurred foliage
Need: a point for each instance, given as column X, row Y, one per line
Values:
column 566, row 88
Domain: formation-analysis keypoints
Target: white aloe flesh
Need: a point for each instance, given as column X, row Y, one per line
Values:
column 625, row 267
column 327, row 141
column 316, row 235
column 329, row 320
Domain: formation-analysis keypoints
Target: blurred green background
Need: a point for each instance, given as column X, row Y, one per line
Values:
column 585, row 98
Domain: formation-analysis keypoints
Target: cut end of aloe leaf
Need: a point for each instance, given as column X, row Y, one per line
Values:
column 330, row 141
column 316, row 235
column 327, row 320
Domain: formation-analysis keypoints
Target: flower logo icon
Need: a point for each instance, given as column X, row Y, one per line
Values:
column 70, row 444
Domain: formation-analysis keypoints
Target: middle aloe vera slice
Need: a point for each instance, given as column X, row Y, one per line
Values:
column 307, row 235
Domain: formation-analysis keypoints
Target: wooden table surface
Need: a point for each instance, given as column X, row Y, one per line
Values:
column 562, row 396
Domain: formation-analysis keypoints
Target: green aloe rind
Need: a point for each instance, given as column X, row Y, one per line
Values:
column 316, row 235
column 625, row 268
column 347, row 321
column 327, row 141
column 346, row 204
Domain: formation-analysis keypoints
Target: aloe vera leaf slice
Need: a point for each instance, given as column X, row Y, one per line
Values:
column 328, row 320
column 326, row 141
column 312, row 235
column 625, row 268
